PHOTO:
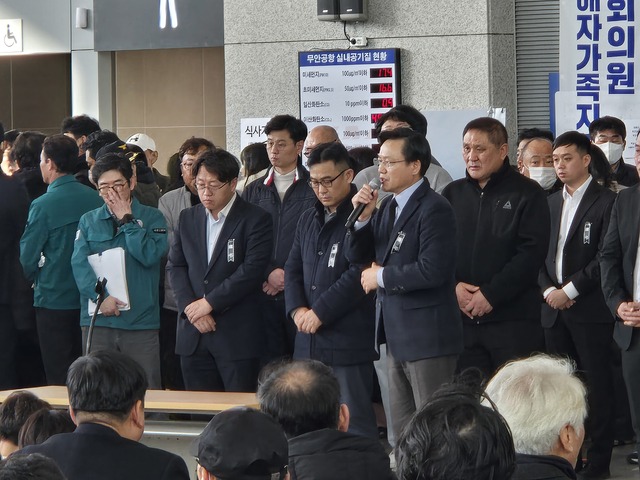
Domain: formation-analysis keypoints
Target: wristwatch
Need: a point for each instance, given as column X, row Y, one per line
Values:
column 128, row 218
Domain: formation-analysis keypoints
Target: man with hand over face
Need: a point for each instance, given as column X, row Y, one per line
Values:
column 216, row 266
column 408, row 245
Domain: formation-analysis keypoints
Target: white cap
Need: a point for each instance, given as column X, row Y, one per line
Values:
column 144, row 141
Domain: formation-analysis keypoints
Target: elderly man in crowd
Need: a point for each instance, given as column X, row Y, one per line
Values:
column 544, row 403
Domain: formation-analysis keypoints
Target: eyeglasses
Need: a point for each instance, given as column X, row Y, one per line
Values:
column 280, row 144
column 209, row 188
column 326, row 183
column 386, row 163
column 116, row 187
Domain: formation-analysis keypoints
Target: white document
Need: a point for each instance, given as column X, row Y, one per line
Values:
column 110, row 265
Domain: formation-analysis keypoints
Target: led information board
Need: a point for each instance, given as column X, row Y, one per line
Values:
column 349, row 90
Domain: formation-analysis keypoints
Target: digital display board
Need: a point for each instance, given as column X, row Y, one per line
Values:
column 349, row 90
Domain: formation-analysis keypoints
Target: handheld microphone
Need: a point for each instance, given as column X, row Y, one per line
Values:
column 375, row 185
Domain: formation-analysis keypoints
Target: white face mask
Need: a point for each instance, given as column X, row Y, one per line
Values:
column 545, row 176
column 613, row 151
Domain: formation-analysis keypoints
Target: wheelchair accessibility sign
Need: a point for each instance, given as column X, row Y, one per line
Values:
column 11, row 32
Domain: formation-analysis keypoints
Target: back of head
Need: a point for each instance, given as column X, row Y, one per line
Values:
column 105, row 382
column 302, row 395
column 494, row 129
column 538, row 396
column 193, row 145
column 607, row 123
column 43, row 424
column 362, row 157
column 254, row 158
column 296, row 128
column 15, row 411
column 79, row 125
column 27, row 149
column 600, row 169
column 11, row 135
column 30, row 467
column 404, row 113
column 62, row 151
column 96, row 140
column 243, row 443
column 531, row 133
column 416, row 146
column 454, row 437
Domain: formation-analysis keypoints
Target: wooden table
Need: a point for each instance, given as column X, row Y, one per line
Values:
column 162, row 401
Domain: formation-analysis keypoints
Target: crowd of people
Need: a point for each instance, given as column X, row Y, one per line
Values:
column 371, row 269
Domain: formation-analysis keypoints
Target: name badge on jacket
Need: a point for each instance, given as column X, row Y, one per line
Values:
column 586, row 237
column 231, row 256
column 398, row 243
column 332, row 256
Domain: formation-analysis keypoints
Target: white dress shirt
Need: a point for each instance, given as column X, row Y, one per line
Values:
column 215, row 226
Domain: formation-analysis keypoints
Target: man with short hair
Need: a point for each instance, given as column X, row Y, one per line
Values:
column 334, row 317
column 304, row 398
column 148, row 146
column 405, row 116
column 106, row 402
column 454, row 436
column 285, row 194
column 122, row 222
column 620, row 273
column 544, row 402
column 503, row 236
column 79, row 128
column 610, row 134
column 94, row 143
column 536, row 162
column 216, row 265
column 33, row 467
column 14, row 412
column 575, row 317
column 242, row 443
column 45, row 253
column 525, row 136
column 408, row 243
column 171, row 204
column 317, row 136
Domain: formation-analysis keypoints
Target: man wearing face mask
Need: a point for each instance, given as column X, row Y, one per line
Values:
column 609, row 133
column 537, row 164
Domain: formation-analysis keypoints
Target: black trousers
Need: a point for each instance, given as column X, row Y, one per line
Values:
column 280, row 329
column 60, row 340
column 8, row 342
column 589, row 345
column 631, row 373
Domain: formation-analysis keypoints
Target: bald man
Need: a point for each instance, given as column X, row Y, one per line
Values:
column 536, row 163
column 318, row 135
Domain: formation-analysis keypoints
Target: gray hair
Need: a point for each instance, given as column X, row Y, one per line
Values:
column 538, row 396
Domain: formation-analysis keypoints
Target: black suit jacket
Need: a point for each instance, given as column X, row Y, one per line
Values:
column 580, row 256
column 231, row 282
column 97, row 452
column 618, row 258
column 418, row 304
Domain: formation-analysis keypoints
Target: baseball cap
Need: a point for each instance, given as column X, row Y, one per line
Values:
column 144, row 141
column 243, row 444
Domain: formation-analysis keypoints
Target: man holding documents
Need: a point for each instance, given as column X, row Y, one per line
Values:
column 129, row 240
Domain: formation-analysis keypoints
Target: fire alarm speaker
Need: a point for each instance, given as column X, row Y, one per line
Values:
column 353, row 10
column 328, row 10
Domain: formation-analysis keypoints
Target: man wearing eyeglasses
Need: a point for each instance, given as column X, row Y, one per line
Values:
column 216, row 266
column 285, row 194
column 333, row 315
column 408, row 244
column 131, row 328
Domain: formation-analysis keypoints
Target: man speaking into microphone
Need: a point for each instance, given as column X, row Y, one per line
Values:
column 409, row 244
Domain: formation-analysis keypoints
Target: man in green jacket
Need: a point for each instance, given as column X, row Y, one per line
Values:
column 129, row 326
column 45, row 254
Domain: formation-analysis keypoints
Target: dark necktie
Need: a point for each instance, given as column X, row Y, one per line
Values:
column 391, row 216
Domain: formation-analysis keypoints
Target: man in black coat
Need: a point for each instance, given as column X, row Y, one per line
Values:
column 333, row 315
column 304, row 398
column 575, row 317
column 216, row 264
column 106, row 402
column 284, row 193
column 503, row 235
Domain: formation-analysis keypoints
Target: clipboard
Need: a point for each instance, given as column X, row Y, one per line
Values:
column 110, row 264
